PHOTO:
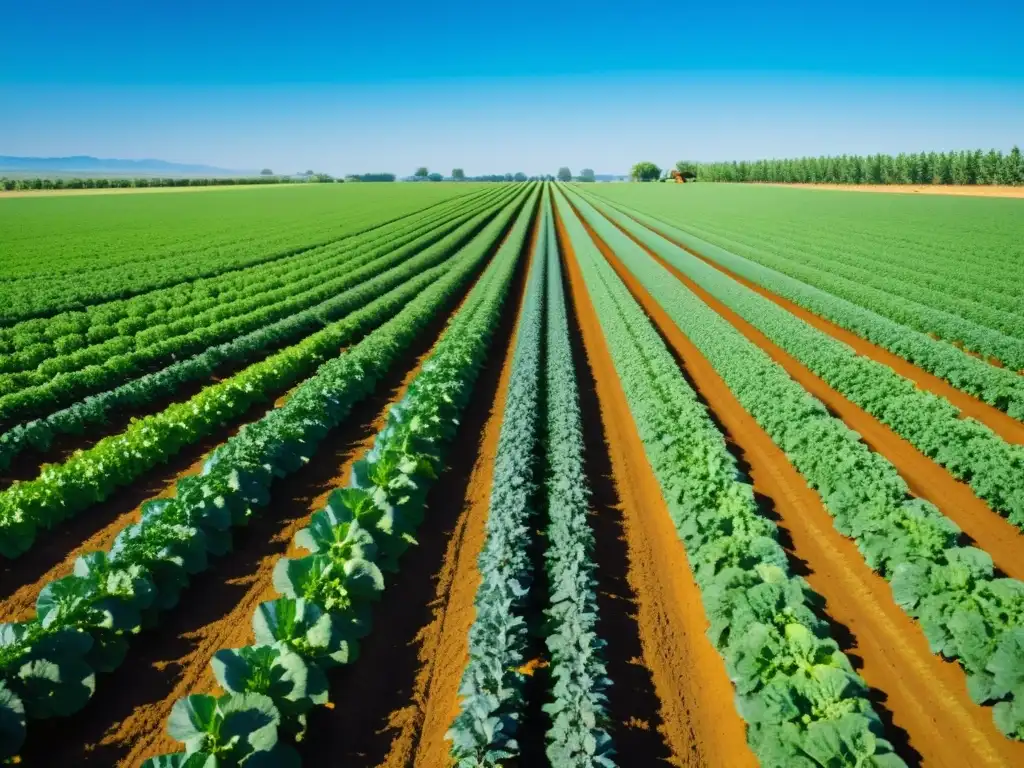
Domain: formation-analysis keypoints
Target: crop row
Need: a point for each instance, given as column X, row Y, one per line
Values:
column 965, row 610
column 578, row 735
column 491, row 691
column 63, row 378
column 89, row 476
column 1001, row 388
column 968, row 449
column 803, row 703
column 83, row 622
column 121, row 326
column 325, row 608
column 187, row 255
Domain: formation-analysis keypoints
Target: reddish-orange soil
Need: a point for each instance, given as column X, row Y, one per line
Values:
column 926, row 479
column 999, row 422
column 994, row 190
column 699, row 723
column 922, row 699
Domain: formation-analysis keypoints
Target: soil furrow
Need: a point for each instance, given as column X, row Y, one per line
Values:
column 926, row 478
column 925, row 696
column 699, row 723
column 999, row 422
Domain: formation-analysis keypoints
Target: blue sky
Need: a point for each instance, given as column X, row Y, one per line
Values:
column 492, row 87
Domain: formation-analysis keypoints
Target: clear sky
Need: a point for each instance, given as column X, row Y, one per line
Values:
column 494, row 87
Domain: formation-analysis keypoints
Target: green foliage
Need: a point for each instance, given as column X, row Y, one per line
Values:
column 587, row 175
column 962, row 167
column 645, row 171
column 564, row 174
column 458, row 174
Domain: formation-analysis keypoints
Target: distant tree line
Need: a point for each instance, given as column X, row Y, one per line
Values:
column 958, row 167
column 122, row 183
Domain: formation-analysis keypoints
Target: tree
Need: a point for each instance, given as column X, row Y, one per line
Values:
column 435, row 177
column 266, row 172
column 509, row 177
column 564, row 174
column 458, row 174
column 422, row 172
column 520, row 176
column 587, row 174
column 645, row 171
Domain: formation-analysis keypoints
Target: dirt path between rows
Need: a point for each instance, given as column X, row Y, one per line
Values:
column 926, row 478
column 922, row 699
column 998, row 421
column 698, row 720
column 981, row 190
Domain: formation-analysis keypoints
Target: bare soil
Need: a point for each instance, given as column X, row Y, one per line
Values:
column 916, row 189
column 698, row 720
column 922, row 699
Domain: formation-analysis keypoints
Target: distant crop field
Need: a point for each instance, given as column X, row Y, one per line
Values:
column 512, row 474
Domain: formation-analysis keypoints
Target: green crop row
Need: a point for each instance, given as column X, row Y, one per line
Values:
column 966, row 611
column 491, row 691
column 89, row 476
column 48, row 664
column 803, row 703
column 967, row 448
column 325, row 608
column 578, row 736
column 1001, row 388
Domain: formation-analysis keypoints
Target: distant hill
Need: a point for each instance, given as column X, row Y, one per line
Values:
column 97, row 165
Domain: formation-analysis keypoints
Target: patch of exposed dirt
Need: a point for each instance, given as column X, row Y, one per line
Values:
column 698, row 721
column 922, row 699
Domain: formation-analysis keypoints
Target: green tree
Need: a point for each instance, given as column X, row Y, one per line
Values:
column 266, row 172
column 564, row 174
column 435, row 177
column 458, row 174
column 519, row 176
column 587, row 174
column 645, row 171
column 1011, row 169
column 422, row 172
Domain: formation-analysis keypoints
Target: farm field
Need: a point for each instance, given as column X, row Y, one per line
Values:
column 512, row 474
